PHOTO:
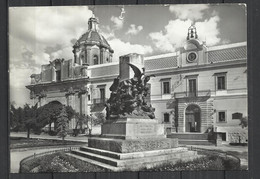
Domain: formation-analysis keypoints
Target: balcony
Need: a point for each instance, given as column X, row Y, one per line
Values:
column 187, row 94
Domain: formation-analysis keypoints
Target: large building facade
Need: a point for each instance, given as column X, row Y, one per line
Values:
column 196, row 89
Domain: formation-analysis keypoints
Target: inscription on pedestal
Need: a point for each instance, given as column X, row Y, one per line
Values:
column 146, row 129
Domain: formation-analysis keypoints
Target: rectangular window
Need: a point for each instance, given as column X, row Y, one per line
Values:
column 221, row 82
column 102, row 95
column 221, row 116
column 192, row 87
column 58, row 75
column 166, row 87
column 166, row 117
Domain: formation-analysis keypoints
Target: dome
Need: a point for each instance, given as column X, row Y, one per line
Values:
column 93, row 38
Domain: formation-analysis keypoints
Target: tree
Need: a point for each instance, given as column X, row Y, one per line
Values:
column 29, row 114
column 99, row 118
column 244, row 122
column 63, row 123
column 49, row 113
column 80, row 121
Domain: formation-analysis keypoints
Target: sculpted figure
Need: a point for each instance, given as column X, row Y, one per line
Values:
column 128, row 97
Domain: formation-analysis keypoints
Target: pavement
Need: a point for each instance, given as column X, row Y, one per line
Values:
column 80, row 138
column 16, row 156
column 225, row 147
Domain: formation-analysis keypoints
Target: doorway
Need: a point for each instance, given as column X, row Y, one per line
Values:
column 192, row 118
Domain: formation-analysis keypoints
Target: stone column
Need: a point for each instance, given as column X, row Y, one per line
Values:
column 89, row 58
column 71, row 98
column 84, row 101
column 53, row 74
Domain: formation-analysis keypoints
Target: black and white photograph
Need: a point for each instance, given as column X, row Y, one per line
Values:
column 114, row 88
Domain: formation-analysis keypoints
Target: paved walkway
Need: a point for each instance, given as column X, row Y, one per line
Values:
column 17, row 156
column 46, row 136
column 229, row 148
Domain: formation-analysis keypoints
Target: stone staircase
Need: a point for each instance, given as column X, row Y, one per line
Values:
column 192, row 138
column 114, row 161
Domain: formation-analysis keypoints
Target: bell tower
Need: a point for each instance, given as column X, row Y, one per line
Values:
column 192, row 32
column 193, row 52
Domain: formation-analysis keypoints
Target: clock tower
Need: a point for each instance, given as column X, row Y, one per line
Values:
column 193, row 52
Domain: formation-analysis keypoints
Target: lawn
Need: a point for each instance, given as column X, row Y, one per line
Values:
column 19, row 142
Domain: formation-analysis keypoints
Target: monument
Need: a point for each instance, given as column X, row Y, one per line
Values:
column 131, row 137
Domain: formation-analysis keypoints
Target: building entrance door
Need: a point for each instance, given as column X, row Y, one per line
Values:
column 192, row 119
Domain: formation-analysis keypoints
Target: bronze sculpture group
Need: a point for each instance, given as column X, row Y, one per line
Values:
column 128, row 97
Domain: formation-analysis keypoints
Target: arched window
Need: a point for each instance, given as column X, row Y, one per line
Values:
column 95, row 59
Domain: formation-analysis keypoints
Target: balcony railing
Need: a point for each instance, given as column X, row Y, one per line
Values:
column 99, row 100
column 187, row 94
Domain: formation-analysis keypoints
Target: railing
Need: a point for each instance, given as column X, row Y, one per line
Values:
column 99, row 100
column 68, row 149
column 187, row 94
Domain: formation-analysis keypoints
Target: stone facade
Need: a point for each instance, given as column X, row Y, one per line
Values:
column 211, row 82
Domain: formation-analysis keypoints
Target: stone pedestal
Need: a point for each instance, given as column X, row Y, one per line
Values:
column 127, row 134
column 133, row 128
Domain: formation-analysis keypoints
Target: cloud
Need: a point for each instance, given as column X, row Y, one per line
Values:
column 34, row 37
column 38, row 28
column 133, row 30
column 173, row 35
column 192, row 12
column 120, row 47
column 123, row 48
column 118, row 23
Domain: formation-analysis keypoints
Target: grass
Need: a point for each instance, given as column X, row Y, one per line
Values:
column 18, row 142
column 58, row 162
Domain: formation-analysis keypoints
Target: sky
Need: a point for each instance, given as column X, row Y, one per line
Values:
column 38, row 35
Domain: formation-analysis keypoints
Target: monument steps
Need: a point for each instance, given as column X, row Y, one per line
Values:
column 196, row 142
column 136, row 167
column 97, row 163
column 132, row 155
column 130, row 162
column 192, row 138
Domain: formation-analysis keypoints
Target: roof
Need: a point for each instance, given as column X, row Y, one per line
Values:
column 227, row 54
column 160, row 63
column 93, row 37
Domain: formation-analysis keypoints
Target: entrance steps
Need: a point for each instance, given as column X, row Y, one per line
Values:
column 114, row 161
column 192, row 138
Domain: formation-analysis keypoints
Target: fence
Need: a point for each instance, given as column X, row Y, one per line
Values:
column 68, row 149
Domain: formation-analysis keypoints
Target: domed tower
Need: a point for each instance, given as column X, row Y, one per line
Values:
column 92, row 48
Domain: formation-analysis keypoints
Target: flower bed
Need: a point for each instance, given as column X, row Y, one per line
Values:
column 208, row 162
column 58, row 162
